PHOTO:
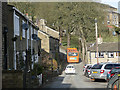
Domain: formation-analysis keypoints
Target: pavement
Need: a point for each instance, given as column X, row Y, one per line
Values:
column 75, row 81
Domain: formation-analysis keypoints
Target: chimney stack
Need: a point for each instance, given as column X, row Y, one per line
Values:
column 27, row 15
column 100, row 40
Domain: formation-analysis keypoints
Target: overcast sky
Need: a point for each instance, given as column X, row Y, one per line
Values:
column 113, row 3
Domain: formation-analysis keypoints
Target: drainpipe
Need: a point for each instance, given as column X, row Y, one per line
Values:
column 5, row 47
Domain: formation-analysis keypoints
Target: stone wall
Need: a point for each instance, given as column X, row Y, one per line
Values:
column 12, row 79
column 44, row 41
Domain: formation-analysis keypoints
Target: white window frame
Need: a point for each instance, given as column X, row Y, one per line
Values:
column 117, row 54
column 31, row 32
column 24, row 55
column 109, row 54
column 36, row 58
column 34, row 31
column 16, row 26
column 108, row 22
column 23, row 30
column 99, row 54
column 28, row 34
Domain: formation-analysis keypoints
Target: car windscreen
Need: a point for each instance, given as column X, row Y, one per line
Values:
column 115, row 70
column 97, row 66
column 69, row 66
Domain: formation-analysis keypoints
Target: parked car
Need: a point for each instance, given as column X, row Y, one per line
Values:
column 112, row 72
column 88, row 69
column 99, row 71
column 85, row 69
column 70, row 69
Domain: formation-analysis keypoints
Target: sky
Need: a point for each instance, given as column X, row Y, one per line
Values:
column 113, row 3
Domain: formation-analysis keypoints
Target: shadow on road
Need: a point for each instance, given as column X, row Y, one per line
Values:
column 58, row 83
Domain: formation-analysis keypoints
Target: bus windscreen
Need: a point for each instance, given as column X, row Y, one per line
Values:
column 72, row 54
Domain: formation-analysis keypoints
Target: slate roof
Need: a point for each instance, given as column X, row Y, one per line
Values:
column 106, row 46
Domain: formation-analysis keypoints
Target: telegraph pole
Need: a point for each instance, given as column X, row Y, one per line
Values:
column 96, row 38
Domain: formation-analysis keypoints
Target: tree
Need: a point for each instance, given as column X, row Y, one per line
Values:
column 75, row 17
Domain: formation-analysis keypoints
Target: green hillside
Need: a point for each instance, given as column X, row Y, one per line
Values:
column 72, row 17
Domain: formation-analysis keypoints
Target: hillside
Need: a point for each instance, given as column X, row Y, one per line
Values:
column 72, row 17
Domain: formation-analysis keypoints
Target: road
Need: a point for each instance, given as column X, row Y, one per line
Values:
column 75, row 81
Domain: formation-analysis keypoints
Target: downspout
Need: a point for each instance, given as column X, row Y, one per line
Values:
column 14, row 62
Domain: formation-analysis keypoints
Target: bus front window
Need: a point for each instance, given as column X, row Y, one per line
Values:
column 72, row 54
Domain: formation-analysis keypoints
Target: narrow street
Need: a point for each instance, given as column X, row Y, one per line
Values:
column 75, row 81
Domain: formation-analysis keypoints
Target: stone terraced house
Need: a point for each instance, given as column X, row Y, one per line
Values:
column 107, row 52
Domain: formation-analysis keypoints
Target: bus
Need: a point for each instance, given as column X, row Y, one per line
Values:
column 72, row 55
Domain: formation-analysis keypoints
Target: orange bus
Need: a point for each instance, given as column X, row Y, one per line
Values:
column 72, row 55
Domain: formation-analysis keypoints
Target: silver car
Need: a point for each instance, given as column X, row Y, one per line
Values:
column 99, row 71
column 85, row 68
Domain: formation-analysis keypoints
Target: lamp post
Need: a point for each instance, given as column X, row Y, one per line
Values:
column 96, row 38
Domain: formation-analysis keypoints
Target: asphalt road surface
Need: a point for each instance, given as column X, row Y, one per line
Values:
column 75, row 81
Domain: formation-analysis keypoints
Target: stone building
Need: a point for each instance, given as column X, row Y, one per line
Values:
column 48, row 30
column 49, row 39
column 107, row 52
column 19, row 47
column 112, row 16
column 22, row 37
column 4, row 33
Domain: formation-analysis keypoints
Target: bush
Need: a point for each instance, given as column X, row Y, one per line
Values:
column 37, row 69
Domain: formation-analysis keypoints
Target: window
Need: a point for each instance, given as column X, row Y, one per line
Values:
column 24, row 54
column 23, row 30
column 34, row 31
column 97, row 66
column 31, row 32
column 28, row 33
column 16, row 25
column 110, row 54
column 109, row 66
column 100, row 55
column 118, row 54
column 116, row 65
column 108, row 22
column 108, row 17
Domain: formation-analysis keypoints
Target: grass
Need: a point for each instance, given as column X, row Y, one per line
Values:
column 74, row 40
column 111, row 38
